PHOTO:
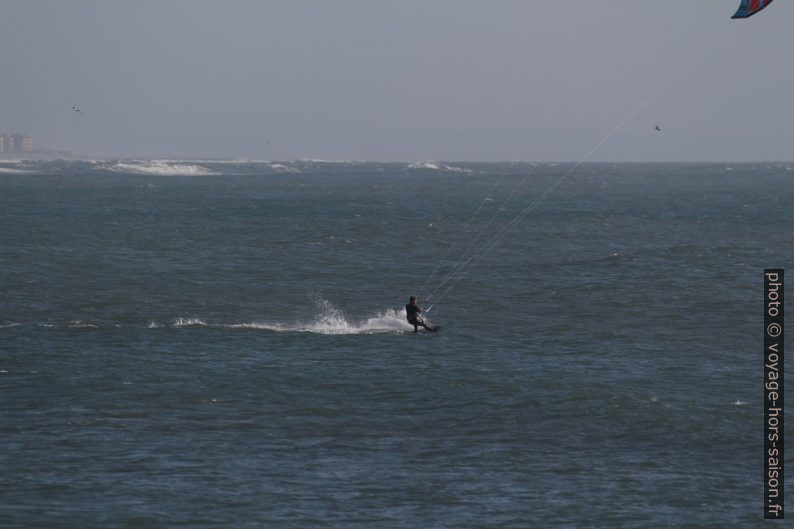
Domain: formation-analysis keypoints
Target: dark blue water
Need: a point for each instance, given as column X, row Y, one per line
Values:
column 206, row 344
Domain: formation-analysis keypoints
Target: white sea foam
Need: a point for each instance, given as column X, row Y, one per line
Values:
column 160, row 168
column 740, row 403
column 189, row 322
column 385, row 322
column 12, row 171
column 79, row 324
column 7, row 325
column 424, row 165
column 329, row 320
column 334, row 322
column 283, row 168
column 234, row 161
column 435, row 166
column 318, row 160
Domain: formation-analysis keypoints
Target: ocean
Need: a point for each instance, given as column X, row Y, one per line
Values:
column 197, row 343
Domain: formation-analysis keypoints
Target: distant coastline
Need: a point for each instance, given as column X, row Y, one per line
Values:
column 41, row 155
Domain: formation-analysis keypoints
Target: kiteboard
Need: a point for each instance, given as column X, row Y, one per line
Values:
column 432, row 329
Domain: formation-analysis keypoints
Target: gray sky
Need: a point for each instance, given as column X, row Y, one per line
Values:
column 399, row 79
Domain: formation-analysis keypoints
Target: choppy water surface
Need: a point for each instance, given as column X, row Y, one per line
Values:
column 222, row 344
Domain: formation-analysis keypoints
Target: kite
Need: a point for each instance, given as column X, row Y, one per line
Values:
column 749, row 8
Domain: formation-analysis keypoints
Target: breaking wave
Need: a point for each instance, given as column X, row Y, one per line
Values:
column 435, row 166
column 15, row 166
column 282, row 168
column 160, row 168
column 12, row 171
column 183, row 322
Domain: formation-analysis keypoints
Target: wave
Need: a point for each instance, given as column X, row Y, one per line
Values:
column 160, row 168
column 183, row 322
column 74, row 324
column 79, row 324
column 436, row 166
column 9, row 170
column 318, row 160
column 283, row 168
column 196, row 167
column 222, row 161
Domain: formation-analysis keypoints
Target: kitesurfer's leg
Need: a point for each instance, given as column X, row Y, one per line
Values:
column 421, row 322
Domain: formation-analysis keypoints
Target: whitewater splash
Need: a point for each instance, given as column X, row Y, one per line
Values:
column 281, row 168
column 435, row 166
column 160, row 168
column 329, row 320
column 15, row 166
column 183, row 322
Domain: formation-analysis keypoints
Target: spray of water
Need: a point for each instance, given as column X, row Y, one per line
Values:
column 328, row 320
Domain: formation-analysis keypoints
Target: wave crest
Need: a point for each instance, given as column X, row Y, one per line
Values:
column 435, row 166
column 185, row 322
column 160, row 168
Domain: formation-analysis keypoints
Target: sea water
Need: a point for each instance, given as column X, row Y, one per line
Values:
column 222, row 343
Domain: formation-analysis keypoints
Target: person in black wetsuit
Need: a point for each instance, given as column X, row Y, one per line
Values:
column 412, row 311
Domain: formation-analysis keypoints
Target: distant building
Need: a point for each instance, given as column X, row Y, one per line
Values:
column 23, row 143
column 15, row 143
column 7, row 143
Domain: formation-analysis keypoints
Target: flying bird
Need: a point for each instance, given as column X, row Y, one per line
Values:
column 657, row 128
column 76, row 110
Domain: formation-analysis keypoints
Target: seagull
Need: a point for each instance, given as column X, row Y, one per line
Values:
column 657, row 128
column 76, row 110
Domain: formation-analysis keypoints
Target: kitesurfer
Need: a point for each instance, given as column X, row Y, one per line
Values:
column 412, row 311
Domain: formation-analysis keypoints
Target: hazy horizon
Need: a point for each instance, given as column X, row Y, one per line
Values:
column 441, row 80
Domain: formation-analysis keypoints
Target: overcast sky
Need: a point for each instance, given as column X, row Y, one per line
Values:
column 399, row 79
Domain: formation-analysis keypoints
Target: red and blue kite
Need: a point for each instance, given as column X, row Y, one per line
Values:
column 749, row 8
